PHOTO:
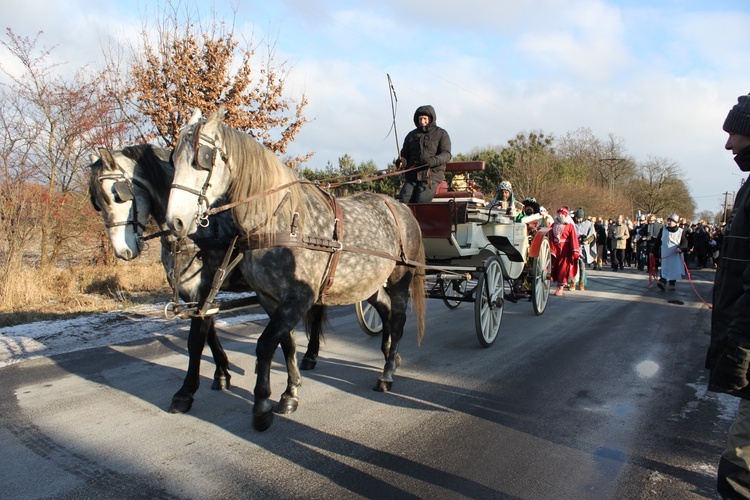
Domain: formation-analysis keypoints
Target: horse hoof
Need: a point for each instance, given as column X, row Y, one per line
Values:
column 382, row 386
column 262, row 421
column 220, row 384
column 286, row 406
column 307, row 364
column 181, row 404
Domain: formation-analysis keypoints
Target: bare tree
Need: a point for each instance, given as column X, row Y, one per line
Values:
column 54, row 122
column 534, row 163
column 582, row 147
column 16, row 176
column 613, row 166
column 659, row 188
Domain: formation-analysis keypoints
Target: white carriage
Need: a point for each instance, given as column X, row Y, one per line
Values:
column 476, row 251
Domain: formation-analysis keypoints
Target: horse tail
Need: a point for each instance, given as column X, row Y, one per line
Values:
column 416, row 291
column 315, row 318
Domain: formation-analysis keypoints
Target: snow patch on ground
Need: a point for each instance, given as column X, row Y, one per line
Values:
column 48, row 338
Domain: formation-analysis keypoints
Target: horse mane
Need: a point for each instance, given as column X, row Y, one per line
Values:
column 95, row 187
column 256, row 169
column 157, row 171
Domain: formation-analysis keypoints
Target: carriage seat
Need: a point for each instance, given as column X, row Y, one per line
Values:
column 439, row 220
column 463, row 187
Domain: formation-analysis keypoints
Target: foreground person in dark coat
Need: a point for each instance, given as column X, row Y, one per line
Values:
column 427, row 146
column 729, row 353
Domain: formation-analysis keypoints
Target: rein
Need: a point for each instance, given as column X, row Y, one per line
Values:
column 375, row 178
column 233, row 204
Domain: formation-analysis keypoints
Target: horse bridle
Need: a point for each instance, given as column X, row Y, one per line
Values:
column 123, row 188
column 204, row 156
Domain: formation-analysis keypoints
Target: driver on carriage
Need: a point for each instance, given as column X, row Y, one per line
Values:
column 427, row 146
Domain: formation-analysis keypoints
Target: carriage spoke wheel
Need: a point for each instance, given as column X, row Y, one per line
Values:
column 368, row 318
column 541, row 266
column 453, row 288
column 488, row 303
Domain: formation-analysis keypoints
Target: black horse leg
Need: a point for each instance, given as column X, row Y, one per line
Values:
column 290, row 400
column 399, row 295
column 283, row 320
column 314, row 325
column 182, row 401
column 222, row 377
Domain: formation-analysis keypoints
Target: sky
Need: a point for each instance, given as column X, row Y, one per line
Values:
column 659, row 75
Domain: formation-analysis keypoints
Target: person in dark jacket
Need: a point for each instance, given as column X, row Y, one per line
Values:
column 427, row 146
column 728, row 356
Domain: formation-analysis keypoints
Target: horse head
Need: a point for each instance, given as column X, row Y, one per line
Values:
column 123, row 197
column 201, row 173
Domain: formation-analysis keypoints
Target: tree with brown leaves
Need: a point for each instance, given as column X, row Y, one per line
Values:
column 182, row 66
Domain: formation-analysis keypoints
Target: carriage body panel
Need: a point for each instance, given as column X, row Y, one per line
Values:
column 466, row 231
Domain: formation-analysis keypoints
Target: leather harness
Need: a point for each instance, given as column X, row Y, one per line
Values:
column 333, row 245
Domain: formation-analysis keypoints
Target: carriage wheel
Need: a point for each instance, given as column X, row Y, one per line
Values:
column 541, row 267
column 453, row 288
column 488, row 303
column 368, row 318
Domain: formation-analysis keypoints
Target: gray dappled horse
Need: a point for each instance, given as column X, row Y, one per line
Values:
column 131, row 184
column 303, row 247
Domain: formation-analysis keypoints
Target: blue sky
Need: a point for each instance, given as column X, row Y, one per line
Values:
column 659, row 75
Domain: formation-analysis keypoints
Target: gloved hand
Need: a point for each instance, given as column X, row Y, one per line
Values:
column 730, row 371
column 432, row 161
column 399, row 163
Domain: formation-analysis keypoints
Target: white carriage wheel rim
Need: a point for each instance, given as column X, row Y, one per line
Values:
column 490, row 317
column 370, row 319
column 541, row 290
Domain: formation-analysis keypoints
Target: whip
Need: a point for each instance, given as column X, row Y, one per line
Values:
column 394, row 105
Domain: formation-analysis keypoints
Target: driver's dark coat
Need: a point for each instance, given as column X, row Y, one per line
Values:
column 427, row 147
column 730, row 318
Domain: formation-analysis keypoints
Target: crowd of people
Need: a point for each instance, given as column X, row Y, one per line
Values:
column 663, row 246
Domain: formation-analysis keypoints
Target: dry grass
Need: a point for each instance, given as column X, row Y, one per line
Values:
column 33, row 294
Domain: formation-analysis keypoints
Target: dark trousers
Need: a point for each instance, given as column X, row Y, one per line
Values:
column 618, row 258
column 417, row 192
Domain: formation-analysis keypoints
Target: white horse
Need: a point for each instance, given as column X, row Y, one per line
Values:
column 304, row 247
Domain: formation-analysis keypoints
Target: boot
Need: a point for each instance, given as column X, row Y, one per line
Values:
column 581, row 287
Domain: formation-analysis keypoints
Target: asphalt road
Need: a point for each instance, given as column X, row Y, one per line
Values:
column 603, row 396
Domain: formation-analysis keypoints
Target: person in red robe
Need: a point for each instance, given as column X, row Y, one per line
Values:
column 563, row 242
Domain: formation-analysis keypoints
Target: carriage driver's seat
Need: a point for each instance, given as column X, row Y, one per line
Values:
column 461, row 186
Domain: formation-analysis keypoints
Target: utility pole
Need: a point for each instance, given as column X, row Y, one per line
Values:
column 724, row 212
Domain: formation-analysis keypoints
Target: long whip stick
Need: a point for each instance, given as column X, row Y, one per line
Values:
column 394, row 105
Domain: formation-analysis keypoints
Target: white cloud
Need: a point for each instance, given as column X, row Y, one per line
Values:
column 661, row 76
